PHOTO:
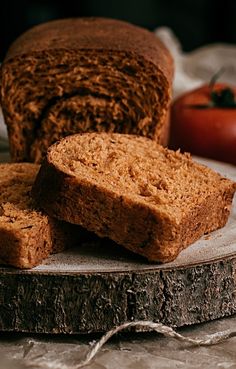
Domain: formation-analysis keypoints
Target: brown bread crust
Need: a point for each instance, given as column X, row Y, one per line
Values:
column 94, row 34
column 151, row 200
column 87, row 74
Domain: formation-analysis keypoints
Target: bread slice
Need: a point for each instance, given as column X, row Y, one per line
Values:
column 151, row 200
column 84, row 75
column 27, row 236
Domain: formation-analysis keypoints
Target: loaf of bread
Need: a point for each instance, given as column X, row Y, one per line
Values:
column 151, row 200
column 84, row 75
column 27, row 236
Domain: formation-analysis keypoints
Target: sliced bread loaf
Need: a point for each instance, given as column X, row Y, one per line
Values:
column 27, row 236
column 84, row 75
column 149, row 199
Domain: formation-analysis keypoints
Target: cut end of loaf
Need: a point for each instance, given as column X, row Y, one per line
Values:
column 147, row 198
column 80, row 75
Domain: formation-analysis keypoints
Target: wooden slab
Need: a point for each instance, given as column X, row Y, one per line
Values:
column 99, row 285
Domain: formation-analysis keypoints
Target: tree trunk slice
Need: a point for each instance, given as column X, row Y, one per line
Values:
column 99, row 285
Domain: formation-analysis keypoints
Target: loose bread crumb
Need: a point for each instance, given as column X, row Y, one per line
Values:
column 149, row 199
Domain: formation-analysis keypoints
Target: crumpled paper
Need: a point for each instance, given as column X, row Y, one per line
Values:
column 3, row 132
column 199, row 66
column 129, row 350
column 191, row 69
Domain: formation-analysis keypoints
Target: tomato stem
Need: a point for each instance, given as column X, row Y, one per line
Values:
column 215, row 77
column 222, row 98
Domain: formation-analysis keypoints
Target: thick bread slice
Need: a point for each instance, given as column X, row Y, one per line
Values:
column 27, row 236
column 151, row 200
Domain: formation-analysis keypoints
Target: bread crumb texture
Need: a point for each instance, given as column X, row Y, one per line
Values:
column 27, row 235
column 147, row 198
column 74, row 75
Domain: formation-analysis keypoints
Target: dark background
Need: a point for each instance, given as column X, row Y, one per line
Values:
column 195, row 22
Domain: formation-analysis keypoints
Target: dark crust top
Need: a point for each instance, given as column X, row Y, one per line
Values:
column 94, row 34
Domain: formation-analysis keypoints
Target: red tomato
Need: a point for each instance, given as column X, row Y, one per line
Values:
column 203, row 130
